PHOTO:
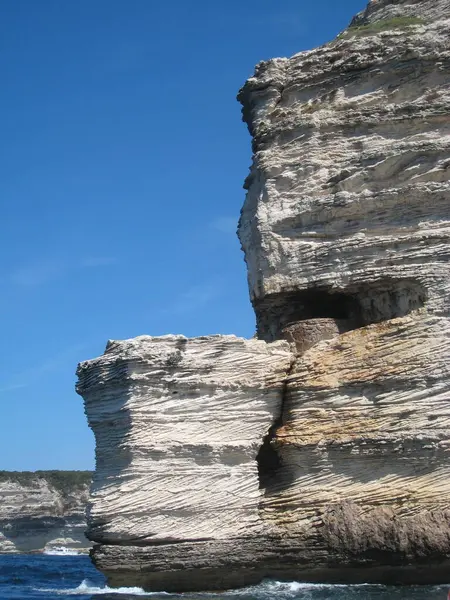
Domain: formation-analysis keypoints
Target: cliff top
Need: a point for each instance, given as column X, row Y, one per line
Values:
column 63, row 481
column 378, row 10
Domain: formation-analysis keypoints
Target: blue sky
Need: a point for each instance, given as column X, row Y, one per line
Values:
column 122, row 161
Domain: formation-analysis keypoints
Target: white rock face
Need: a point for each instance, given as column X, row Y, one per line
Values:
column 428, row 10
column 178, row 424
column 325, row 457
column 349, row 187
column 34, row 514
column 346, row 223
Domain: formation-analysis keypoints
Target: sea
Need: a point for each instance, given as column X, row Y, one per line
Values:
column 56, row 576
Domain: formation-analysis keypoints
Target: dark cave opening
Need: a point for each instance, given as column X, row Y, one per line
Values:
column 350, row 308
column 277, row 311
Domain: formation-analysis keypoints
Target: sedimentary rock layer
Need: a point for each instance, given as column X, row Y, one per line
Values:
column 348, row 193
column 346, row 234
column 43, row 511
column 179, row 424
column 321, row 450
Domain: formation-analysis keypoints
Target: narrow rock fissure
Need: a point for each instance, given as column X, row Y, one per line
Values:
column 268, row 459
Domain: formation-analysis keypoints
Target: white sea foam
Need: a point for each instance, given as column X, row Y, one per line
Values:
column 86, row 588
column 283, row 589
column 289, row 589
column 60, row 551
column 295, row 586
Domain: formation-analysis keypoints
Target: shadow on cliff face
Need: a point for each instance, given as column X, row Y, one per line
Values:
column 379, row 536
column 308, row 317
column 268, row 459
column 354, row 307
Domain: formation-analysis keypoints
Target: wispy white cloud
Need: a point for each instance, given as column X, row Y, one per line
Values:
column 38, row 273
column 195, row 298
column 12, row 387
column 30, row 376
column 41, row 272
column 224, row 224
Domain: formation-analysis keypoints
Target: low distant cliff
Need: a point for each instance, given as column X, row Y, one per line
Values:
column 321, row 450
column 43, row 510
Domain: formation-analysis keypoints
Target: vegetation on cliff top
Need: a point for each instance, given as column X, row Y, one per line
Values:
column 63, row 481
column 382, row 25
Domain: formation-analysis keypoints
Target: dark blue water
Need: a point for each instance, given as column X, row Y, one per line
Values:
column 39, row 577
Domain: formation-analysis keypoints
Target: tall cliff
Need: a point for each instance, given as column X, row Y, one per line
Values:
column 43, row 510
column 321, row 450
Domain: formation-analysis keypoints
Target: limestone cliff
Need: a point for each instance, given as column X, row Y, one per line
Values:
column 43, row 511
column 179, row 424
column 321, row 450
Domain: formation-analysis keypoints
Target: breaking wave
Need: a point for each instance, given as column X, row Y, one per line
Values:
column 40, row 577
column 86, row 588
column 267, row 590
column 60, row 551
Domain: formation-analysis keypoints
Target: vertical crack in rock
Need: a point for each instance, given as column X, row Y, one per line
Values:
column 323, row 315
column 268, row 459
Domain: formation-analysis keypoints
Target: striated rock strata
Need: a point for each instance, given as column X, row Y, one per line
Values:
column 180, row 426
column 321, row 450
column 43, row 511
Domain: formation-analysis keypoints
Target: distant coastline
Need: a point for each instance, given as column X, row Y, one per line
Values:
column 43, row 511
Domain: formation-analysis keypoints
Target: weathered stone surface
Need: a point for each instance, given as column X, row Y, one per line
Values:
column 347, row 220
column 179, row 424
column 314, row 556
column 302, row 335
column 326, row 458
column 37, row 515
column 348, row 192
column 431, row 10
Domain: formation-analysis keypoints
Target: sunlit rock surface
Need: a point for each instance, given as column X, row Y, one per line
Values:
column 179, row 423
column 429, row 10
column 346, row 234
column 321, row 450
column 43, row 512
column 349, row 189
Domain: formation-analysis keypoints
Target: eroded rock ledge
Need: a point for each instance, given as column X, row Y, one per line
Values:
column 321, row 450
